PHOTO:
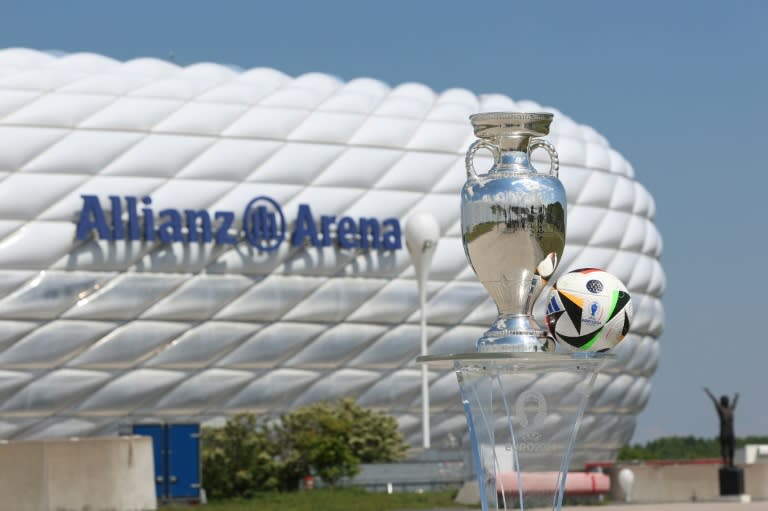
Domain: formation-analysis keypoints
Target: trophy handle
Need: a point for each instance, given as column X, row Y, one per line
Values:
column 476, row 146
column 554, row 159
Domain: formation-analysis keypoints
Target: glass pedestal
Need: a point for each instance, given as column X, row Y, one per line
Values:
column 523, row 412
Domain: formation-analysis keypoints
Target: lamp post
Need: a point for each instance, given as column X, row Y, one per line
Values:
column 626, row 481
column 422, row 233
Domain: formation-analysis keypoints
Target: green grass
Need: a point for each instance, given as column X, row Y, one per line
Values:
column 348, row 499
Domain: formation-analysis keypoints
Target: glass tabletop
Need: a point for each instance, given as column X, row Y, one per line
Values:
column 497, row 358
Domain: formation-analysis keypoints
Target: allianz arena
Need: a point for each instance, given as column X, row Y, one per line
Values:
column 120, row 303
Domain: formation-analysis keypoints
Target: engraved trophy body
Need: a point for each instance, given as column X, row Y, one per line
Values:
column 513, row 225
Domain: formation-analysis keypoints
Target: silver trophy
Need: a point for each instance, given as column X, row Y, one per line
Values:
column 513, row 225
column 523, row 408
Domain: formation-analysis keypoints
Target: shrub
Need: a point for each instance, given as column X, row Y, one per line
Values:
column 318, row 438
column 373, row 436
column 238, row 459
column 330, row 441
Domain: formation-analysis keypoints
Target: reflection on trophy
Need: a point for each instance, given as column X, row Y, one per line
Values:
column 513, row 225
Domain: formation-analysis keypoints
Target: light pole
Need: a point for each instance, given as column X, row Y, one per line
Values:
column 626, row 481
column 422, row 233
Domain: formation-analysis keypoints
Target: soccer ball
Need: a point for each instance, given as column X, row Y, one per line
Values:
column 588, row 310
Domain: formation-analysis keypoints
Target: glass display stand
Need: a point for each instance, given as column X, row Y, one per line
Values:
column 523, row 412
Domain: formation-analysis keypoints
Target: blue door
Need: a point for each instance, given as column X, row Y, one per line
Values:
column 159, row 450
column 184, row 461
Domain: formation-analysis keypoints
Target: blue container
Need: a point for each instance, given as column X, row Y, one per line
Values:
column 183, row 461
column 176, row 449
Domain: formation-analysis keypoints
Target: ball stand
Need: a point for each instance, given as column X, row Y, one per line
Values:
column 523, row 413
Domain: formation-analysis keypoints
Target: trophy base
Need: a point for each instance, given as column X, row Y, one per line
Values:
column 515, row 334
column 523, row 414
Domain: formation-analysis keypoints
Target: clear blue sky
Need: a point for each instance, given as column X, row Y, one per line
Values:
column 679, row 88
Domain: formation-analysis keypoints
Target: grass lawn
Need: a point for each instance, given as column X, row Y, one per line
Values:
column 348, row 499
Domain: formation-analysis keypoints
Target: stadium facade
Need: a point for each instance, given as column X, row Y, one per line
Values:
column 183, row 243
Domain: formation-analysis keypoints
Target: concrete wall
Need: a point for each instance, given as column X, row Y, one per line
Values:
column 756, row 480
column 94, row 474
column 685, row 482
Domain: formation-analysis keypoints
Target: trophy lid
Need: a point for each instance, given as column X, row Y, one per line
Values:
column 499, row 124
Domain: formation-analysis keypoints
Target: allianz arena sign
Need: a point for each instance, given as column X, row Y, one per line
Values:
column 262, row 224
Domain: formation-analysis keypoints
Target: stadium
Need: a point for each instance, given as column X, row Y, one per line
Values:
column 184, row 243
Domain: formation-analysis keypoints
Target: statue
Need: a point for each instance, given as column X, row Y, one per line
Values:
column 725, row 411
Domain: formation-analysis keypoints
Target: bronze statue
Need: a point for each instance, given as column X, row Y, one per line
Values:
column 725, row 410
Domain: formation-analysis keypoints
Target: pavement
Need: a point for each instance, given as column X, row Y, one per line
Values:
column 686, row 506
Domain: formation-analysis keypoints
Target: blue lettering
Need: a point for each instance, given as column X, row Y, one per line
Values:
column 346, row 230
column 149, row 220
column 325, row 227
column 369, row 226
column 222, row 233
column 117, row 218
column 393, row 239
column 264, row 225
column 133, row 219
column 92, row 217
column 192, row 218
column 305, row 227
column 171, row 230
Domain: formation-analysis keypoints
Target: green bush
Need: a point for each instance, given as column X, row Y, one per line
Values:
column 251, row 454
column 238, row 459
column 373, row 437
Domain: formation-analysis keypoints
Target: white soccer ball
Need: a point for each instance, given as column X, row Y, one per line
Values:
column 588, row 310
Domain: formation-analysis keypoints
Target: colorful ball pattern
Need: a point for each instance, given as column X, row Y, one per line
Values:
column 589, row 310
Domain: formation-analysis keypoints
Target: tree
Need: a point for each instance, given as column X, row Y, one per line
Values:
column 252, row 454
column 238, row 459
column 332, row 440
column 374, row 437
column 317, row 438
